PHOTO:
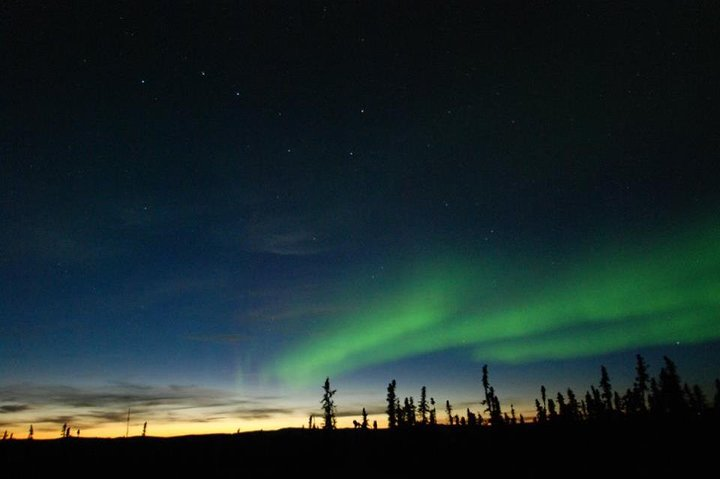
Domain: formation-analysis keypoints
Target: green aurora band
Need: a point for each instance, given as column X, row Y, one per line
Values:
column 622, row 298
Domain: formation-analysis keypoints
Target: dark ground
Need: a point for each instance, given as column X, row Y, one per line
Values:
column 624, row 450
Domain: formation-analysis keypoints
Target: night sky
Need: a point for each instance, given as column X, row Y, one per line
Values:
column 208, row 207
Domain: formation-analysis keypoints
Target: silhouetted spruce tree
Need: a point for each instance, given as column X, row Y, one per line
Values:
column 328, row 406
column 606, row 388
column 64, row 430
column 448, row 409
column 552, row 413
column 406, row 412
column 462, row 421
column 522, row 419
column 31, row 432
column 696, row 400
column 671, row 396
column 540, row 414
column 144, row 429
column 409, row 411
column 310, row 421
column 543, row 395
column 491, row 401
column 496, row 408
column 423, row 408
column 618, row 403
column 573, row 409
column 562, row 407
column 433, row 413
column 400, row 412
column 364, row 424
column 638, row 404
column 598, row 402
column 391, row 410
column 471, row 418
column 513, row 419
column 592, row 404
column 654, row 402
column 700, row 399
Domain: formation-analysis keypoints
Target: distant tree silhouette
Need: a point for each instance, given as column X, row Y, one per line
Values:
column 374, row 425
column 606, row 388
column 562, row 407
column 328, row 405
column 491, row 401
column 572, row 408
column 144, row 429
column 637, row 401
column 433, row 413
column 364, row 424
column 400, row 413
column 31, row 432
column 597, row 405
column 392, row 412
column 5, row 435
column 654, row 402
column 671, row 395
column 449, row 410
column 513, row 419
column 540, row 413
column 543, row 395
column 522, row 419
column 409, row 411
column 696, row 400
column 471, row 418
column 423, row 408
column 618, row 403
column 64, row 430
column 310, row 421
column 552, row 413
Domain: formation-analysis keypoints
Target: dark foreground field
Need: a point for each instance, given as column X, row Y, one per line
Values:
column 623, row 450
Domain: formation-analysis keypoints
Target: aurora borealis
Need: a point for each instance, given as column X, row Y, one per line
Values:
column 660, row 294
column 206, row 209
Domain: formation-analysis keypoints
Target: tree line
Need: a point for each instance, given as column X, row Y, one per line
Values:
column 662, row 398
